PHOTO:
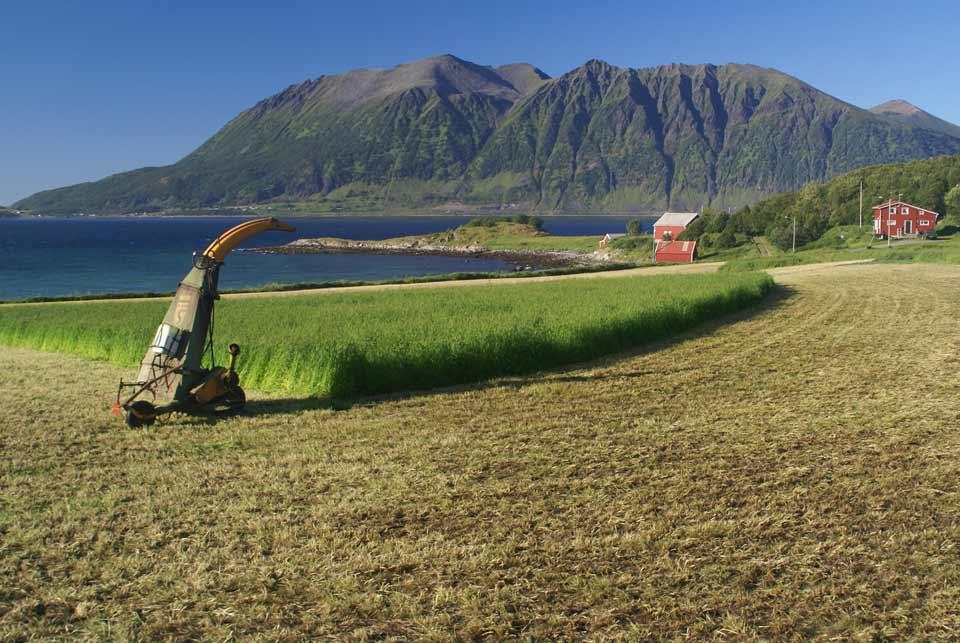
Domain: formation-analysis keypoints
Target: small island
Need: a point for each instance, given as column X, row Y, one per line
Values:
column 519, row 240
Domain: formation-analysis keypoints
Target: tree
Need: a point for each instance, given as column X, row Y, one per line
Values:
column 952, row 199
column 716, row 221
column 727, row 238
column 634, row 228
column 695, row 230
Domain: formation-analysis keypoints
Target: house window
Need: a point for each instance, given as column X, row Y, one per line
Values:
column 924, row 222
column 891, row 223
column 893, row 210
column 905, row 210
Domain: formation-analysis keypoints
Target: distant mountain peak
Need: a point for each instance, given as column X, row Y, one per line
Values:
column 896, row 106
column 904, row 111
column 595, row 65
column 446, row 74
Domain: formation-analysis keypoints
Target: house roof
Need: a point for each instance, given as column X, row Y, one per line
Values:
column 677, row 218
column 680, row 247
column 893, row 204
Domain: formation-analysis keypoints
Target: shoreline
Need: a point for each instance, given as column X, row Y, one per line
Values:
column 541, row 258
column 455, row 280
column 320, row 215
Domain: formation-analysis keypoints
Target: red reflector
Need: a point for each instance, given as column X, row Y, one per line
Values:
column 115, row 409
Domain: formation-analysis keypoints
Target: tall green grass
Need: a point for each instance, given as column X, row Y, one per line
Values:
column 348, row 344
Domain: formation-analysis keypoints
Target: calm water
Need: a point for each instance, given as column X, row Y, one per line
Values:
column 51, row 257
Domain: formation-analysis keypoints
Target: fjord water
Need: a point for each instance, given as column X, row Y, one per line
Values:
column 49, row 257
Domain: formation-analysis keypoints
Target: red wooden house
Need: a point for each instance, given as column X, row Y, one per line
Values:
column 899, row 219
column 675, row 252
column 671, row 224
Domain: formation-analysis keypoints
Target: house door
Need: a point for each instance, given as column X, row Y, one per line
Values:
column 907, row 227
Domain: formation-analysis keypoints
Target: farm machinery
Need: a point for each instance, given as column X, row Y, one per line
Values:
column 172, row 377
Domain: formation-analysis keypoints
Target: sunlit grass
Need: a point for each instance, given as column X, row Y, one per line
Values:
column 344, row 344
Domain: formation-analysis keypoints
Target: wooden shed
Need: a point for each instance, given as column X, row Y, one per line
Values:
column 675, row 251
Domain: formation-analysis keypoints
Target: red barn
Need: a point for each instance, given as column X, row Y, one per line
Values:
column 671, row 224
column 675, row 252
column 899, row 219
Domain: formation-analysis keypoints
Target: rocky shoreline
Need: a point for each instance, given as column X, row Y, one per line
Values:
column 522, row 259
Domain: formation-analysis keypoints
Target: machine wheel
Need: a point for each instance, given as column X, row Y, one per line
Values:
column 232, row 401
column 140, row 414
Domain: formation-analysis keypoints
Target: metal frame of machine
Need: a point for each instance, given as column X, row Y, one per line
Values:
column 172, row 377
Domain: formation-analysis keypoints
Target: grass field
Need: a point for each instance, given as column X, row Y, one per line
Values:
column 344, row 344
column 794, row 474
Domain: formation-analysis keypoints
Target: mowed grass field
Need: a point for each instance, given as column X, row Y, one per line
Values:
column 350, row 343
column 794, row 474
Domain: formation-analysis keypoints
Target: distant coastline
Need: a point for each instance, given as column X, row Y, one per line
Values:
column 293, row 214
column 529, row 259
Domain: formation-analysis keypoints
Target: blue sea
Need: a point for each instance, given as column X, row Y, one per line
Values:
column 49, row 257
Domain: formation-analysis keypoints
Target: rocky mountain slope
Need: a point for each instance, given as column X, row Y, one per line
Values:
column 444, row 129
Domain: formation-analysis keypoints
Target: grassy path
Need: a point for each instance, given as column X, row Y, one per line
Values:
column 764, row 247
column 793, row 474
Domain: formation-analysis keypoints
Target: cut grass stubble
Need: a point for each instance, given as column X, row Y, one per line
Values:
column 348, row 344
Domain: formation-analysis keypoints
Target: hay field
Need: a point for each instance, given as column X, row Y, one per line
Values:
column 787, row 475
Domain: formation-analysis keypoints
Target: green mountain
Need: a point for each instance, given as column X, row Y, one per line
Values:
column 446, row 130
column 902, row 111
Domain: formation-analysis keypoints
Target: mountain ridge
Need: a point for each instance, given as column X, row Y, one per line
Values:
column 444, row 129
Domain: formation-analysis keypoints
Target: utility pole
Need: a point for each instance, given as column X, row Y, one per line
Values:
column 794, row 249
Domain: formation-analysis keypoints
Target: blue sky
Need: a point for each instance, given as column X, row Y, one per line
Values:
column 92, row 88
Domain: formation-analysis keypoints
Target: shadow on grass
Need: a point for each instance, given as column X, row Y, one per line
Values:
column 288, row 405
column 568, row 373
column 254, row 408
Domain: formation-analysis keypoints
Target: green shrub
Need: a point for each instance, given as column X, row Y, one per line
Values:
column 727, row 238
